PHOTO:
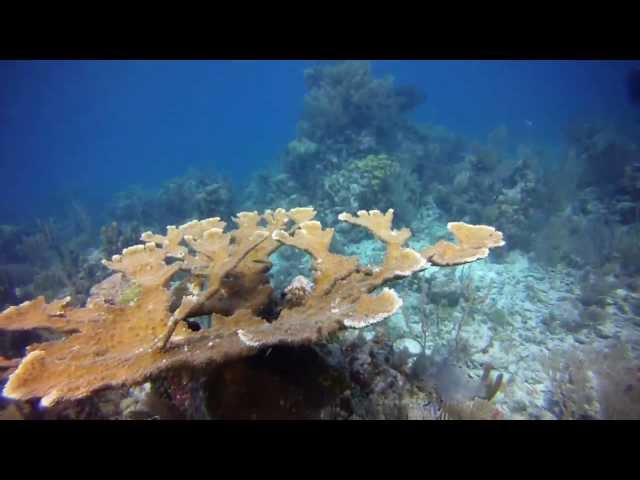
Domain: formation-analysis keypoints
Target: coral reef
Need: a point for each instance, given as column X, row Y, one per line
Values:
column 51, row 259
column 193, row 196
column 380, row 388
column 353, row 135
column 114, row 344
column 345, row 103
column 606, row 156
column 180, row 199
column 114, row 238
column 592, row 384
column 281, row 290
column 9, row 238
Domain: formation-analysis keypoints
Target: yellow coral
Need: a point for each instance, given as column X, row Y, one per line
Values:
column 125, row 344
column 375, row 168
column 474, row 242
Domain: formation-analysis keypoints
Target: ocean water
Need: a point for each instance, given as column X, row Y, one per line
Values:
column 546, row 326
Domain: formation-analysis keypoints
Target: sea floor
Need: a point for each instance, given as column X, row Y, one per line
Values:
column 527, row 322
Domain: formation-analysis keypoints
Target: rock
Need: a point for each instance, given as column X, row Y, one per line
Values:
column 604, row 332
column 519, row 406
column 411, row 345
column 568, row 315
column 541, row 414
column 580, row 340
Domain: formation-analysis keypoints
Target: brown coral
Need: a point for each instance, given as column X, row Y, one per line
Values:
column 125, row 343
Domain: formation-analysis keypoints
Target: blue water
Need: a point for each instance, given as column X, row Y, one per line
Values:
column 86, row 129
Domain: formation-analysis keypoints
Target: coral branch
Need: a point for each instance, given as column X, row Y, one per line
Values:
column 474, row 242
column 398, row 261
column 191, row 303
column 38, row 314
column 329, row 267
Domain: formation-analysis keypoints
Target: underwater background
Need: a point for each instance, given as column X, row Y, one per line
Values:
column 94, row 153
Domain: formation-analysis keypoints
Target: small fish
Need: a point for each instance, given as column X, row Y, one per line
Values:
column 529, row 123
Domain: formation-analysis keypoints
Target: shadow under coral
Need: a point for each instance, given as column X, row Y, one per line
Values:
column 283, row 382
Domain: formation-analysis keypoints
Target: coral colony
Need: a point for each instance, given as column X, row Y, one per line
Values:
column 124, row 344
